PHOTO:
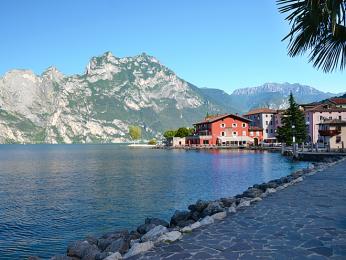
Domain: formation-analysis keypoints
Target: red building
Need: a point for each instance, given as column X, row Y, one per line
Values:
column 227, row 129
column 256, row 133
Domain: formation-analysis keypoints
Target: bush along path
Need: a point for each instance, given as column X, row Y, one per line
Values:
column 304, row 221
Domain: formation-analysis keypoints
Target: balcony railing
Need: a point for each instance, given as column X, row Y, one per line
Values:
column 329, row 132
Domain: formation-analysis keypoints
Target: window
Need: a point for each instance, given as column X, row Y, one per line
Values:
column 244, row 125
column 271, row 122
column 266, row 122
column 251, row 133
column 339, row 117
column 321, row 118
column 223, row 125
column 205, row 141
column 234, row 125
column 244, row 133
column 267, row 131
column 223, row 134
column 266, row 115
column 235, row 133
column 257, row 133
column 271, row 130
column 338, row 139
column 330, row 117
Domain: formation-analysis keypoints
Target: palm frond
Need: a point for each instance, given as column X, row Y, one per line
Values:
column 317, row 26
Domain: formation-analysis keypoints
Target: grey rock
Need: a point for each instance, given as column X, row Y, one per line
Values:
column 156, row 222
column 212, row 208
column 253, row 193
column 114, row 256
column 81, row 249
column 179, row 216
column 144, row 228
column 227, row 202
column 185, row 223
column 120, row 245
column 155, row 233
column 199, row 206
column 139, row 248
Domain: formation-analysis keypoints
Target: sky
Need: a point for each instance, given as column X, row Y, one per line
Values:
column 223, row 44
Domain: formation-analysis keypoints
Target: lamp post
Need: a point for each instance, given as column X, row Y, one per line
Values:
column 294, row 140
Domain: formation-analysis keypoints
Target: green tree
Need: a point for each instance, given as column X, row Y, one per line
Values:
column 293, row 116
column 318, row 26
column 135, row 132
column 182, row 132
column 152, row 141
column 169, row 133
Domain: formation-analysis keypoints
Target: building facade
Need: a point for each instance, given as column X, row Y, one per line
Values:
column 227, row 130
column 317, row 113
column 266, row 119
column 332, row 133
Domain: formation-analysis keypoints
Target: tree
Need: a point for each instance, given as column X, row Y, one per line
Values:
column 135, row 132
column 152, row 142
column 169, row 133
column 318, row 26
column 293, row 116
column 182, row 132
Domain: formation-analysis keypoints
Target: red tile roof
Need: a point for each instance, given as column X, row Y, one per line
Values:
column 263, row 110
column 215, row 118
column 338, row 101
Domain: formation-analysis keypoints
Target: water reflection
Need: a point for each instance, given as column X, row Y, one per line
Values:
column 52, row 194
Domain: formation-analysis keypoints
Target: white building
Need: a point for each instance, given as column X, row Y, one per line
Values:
column 266, row 119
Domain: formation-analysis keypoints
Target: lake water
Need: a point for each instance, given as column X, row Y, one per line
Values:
column 53, row 194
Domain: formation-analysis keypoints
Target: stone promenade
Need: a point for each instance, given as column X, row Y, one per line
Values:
column 304, row 221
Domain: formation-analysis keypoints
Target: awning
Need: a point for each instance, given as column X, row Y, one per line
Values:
column 235, row 138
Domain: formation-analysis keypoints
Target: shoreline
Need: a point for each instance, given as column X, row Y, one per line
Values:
column 125, row 244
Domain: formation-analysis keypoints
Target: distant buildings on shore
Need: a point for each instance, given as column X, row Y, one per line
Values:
column 325, row 122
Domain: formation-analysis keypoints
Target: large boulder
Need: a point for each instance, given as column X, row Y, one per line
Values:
column 144, row 228
column 120, row 245
column 115, row 256
column 207, row 221
column 156, row 222
column 185, row 223
column 212, row 208
column 170, row 237
column 82, row 249
column 179, row 216
column 253, row 193
column 199, row 206
column 138, row 248
column 155, row 233
column 228, row 202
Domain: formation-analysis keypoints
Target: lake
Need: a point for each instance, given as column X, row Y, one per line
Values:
column 53, row 194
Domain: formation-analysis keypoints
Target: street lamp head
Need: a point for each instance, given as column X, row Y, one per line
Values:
column 293, row 126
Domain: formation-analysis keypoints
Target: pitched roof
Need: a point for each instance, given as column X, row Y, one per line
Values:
column 338, row 101
column 263, row 110
column 212, row 119
column 320, row 108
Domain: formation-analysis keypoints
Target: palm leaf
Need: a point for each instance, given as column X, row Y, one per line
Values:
column 317, row 26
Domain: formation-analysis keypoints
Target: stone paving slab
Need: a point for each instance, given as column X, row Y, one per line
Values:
column 304, row 221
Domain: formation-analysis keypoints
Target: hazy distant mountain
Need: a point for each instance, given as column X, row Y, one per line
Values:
column 113, row 93
column 272, row 95
column 99, row 105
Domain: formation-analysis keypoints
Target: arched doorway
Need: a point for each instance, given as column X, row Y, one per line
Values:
column 256, row 141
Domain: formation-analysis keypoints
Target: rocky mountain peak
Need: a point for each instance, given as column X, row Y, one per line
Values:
column 52, row 74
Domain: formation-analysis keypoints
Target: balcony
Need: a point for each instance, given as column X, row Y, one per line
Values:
column 329, row 132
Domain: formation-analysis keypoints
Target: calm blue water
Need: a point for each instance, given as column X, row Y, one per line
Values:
column 53, row 194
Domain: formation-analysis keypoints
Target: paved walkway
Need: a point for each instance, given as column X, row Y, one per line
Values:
column 304, row 221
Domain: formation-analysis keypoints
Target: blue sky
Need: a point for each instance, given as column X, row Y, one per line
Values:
column 222, row 44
